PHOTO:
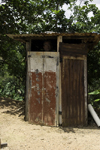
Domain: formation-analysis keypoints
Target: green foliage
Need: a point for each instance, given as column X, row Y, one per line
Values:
column 95, row 98
column 94, row 65
column 81, row 20
column 12, row 68
column 95, row 92
column 9, row 87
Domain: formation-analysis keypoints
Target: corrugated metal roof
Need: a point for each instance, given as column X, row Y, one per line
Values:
column 87, row 37
column 52, row 34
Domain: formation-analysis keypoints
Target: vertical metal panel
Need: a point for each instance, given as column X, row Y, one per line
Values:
column 73, row 101
column 35, row 102
column 43, row 82
column 49, row 103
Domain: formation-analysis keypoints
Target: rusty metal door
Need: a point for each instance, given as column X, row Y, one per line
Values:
column 43, row 70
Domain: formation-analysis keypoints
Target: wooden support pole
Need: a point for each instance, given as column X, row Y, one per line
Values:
column 85, row 90
column 59, row 39
column 28, row 48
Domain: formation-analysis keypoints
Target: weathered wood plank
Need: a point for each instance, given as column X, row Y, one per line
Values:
column 59, row 39
column 28, row 48
column 73, row 48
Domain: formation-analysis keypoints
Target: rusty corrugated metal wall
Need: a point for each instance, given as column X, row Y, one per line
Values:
column 43, row 70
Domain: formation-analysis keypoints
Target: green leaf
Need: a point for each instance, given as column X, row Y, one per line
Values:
column 94, row 92
column 56, row 11
column 96, row 100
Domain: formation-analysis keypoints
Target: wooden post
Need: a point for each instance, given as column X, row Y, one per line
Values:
column 28, row 48
column 85, row 90
column 59, row 39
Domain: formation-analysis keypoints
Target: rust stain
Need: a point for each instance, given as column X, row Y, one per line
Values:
column 49, row 104
column 35, row 103
column 42, row 98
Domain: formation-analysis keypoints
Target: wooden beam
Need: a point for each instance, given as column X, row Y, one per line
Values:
column 81, row 57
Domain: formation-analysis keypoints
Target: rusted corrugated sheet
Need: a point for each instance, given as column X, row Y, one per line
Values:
column 73, row 91
column 43, row 99
column 87, row 37
column 35, row 103
column 36, row 80
column 49, row 104
column 52, row 34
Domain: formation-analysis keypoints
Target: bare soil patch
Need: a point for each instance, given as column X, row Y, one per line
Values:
column 20, row 135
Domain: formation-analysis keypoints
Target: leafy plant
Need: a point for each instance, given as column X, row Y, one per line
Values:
column 95, row 98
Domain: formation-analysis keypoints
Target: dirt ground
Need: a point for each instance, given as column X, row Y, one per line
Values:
column 20, row 135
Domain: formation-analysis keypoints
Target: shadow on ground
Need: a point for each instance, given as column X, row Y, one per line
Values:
column 12, row 107
column 76, row 129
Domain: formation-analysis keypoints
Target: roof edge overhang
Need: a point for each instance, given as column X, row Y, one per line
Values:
column 90, row 38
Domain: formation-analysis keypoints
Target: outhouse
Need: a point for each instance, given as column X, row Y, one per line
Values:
column 56, row 84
